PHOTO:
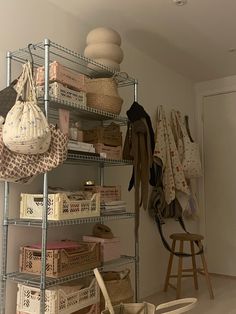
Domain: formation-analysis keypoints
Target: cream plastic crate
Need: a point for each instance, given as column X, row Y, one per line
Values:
column 60, row 207
column 61, row 92
column 91, row 309
column 61, row 74
column 63, row 299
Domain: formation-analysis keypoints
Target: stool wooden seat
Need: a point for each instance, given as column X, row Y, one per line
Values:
column 192, row 239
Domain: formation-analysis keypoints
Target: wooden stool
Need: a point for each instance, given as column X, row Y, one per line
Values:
column 191, row 238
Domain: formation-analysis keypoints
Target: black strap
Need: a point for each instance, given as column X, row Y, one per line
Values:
column 159, row 223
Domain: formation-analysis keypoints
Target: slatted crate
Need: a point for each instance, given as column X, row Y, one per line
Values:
column 78, row 257
column 61, row 206
column 62, row 93
column 107, row 193
column 80, row 296
column 63, row 75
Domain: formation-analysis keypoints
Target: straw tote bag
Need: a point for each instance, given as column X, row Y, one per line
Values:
column 26, row 129
column 188, row 151
column 144, row 307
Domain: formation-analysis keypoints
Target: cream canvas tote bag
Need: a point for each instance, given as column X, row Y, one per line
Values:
column 26, row 129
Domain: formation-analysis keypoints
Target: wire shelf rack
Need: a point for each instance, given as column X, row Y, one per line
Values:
column 72, row 60
column 84, row 112
column 34, row 280
column 87, row 159
column 69, row 222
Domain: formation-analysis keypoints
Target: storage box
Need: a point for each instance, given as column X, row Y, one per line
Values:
column 60, row 261
column 80, row 146
column 63, row 299
column 60, row 206
column 108, row 152
column 107, row 193
column 62, row 93
column 110, row 248
column 109, row 135
column 63, row 75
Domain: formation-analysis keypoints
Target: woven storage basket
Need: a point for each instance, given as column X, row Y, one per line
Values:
column 104, row 86
column 107, row 103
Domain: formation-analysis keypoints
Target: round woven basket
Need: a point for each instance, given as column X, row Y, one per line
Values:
column 104, row 86
column 106, row 103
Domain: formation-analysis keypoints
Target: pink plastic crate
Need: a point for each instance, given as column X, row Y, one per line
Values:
column 59, row 73
column 110, row 248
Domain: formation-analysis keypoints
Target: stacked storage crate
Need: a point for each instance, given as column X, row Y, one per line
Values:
column 65, row 85
column 63, row 258
column 107, row 140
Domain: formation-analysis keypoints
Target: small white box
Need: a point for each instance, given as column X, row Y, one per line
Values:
column 110, row 248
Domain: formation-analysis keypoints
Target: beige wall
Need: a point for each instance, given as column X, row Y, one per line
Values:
column 157, row 85
column 213, row 87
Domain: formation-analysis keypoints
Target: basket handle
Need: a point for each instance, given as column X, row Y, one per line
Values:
column 183, row 309
column 122, row 74
column 104, row 290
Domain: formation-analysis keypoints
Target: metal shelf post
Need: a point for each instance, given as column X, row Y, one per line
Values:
column 136, row 235
column 45, row 188
column 5, row 219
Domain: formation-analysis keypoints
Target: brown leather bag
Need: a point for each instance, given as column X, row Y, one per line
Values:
column 7, row 98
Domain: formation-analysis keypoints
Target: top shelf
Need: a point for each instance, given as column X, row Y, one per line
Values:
column 72, row 60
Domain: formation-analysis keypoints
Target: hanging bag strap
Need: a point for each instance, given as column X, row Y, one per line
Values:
column 26, row 76
column 159, row 223
column 192, row 302
column 104, row 290
column 186, row 120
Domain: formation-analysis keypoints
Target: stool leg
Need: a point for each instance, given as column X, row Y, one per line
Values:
column 180, row 268
column 169, row 267
column 194, row 265
column 208, row 280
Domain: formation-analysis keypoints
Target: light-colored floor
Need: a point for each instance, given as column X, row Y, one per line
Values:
column 224, row 290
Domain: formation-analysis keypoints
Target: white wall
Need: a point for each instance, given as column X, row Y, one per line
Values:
column 157, row 85
column 202, row 89
column 31, row 21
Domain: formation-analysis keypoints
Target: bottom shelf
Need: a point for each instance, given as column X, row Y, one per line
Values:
column 34, row 280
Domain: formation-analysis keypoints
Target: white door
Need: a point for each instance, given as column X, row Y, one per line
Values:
column 220, row 182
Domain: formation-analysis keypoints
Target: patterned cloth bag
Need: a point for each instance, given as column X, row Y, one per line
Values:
column 15, row 167
column 166, row 153
column 26, row 129
column 188, row 151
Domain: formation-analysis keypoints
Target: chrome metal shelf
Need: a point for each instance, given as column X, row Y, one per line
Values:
column 79, row 158
column 84, row 112
column 72, row 60
column 70, row 222
column 34, row 280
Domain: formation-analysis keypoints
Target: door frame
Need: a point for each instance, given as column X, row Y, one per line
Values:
column 205, row 89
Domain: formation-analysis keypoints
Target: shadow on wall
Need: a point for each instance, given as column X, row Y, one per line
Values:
column 160, row 49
